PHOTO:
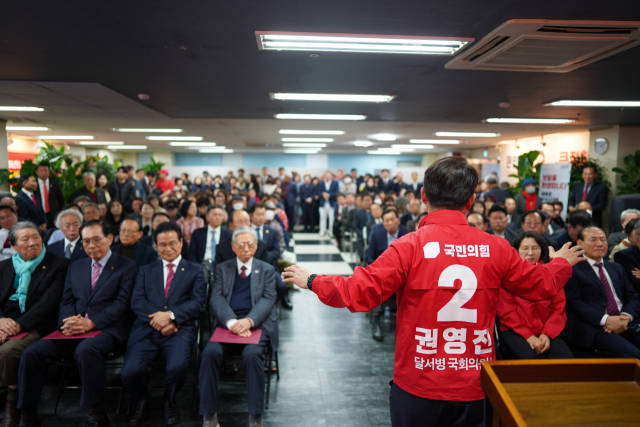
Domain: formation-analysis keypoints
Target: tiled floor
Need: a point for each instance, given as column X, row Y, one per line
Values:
column 332, row 372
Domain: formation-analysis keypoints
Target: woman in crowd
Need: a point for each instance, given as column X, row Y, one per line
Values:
column 155, row 202
column 114, row 216
column 198, row 185
column 489, row 201
column 102, row 182
column 189, row 219
column 370, row 187
column 147, row 212
column 530, row 330
column 241, row 184
column 269, row 187
column 478, row 207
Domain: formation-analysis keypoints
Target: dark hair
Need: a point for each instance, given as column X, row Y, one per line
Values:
column 160, row 214
column 422, row 215
column 202, row 201
column 367, row 195
column 134, row 218
column 631, row 225
column 498, row 208
column 480, row 203
column 43, row 164
column 388, row 199
column 166, row 227
column 546, row 203
column 590, row 165
column 91, row 204
column 532, row 211
column 140, row 169
column 255, row 206
column 384, row 170
column 106, row 230
column 581, row 232
column 450, row 183
column 122, row 168
column 544, row 246
column 24, row 178
column 70, row 206
column 3, row 207
column 22, row 225
column 184, row 207
column 137, row 198
column 388, row 210
column 558, row 203
column 151, row 173
column 214, row 206
column 581, row 218
column 109, row 218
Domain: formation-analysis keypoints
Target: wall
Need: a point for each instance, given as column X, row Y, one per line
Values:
column 369, row 163
column 4, row 157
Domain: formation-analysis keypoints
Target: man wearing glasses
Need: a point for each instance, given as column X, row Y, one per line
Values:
column 70, row 247
column 532, row 221
column 130, row 247
column 96, row 297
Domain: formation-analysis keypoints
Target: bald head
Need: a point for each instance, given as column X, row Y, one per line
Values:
column 239, row 219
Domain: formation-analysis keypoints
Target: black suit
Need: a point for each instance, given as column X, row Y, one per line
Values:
column 378, row 243
column 198, row 243
column 598, row 197
column 28, row 210
column 142, row 255
column 56, row 200
column 563, row 238
column 107, row 305
column 406, row 218
column 126, row 196
column 309, row 215
column 83, row 191
column 270, row 237
column 387, row 187
column 58, row 249
column 629, row 259
column 587, row 304
column 415, row 188
column 509, row 235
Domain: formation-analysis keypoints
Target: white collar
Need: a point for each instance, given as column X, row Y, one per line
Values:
column 175, row 262
column 593, row 262
column 29, row 193
column 74, row 243
column 247, row 264
column 215, row 230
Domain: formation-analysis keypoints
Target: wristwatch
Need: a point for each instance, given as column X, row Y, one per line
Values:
column 172, row 316
column 309, row 280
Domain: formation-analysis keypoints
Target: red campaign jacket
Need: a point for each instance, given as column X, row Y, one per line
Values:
column 447, row 276
column 528, row 318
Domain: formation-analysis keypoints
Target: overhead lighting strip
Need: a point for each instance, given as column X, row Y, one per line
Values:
column 434, row 141
column 353, row 117
column 591, row 103
column 469, row 134
column 174, row 138
column 307, row 139
column 27, row 128
column 530, row 121
column 330, row 97
column 147, row 130
column 310, row 132
column 19, row 108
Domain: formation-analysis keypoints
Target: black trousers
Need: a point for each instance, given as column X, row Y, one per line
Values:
column 211, row 366
column 408, row 410
column 626, row 344
column 89, row 354
column 309, row 216
column 176, row 353
column 521, row 349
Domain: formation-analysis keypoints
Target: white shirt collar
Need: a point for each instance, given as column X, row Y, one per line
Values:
column 103, row 262
column 210, row 229
column 175, row 262
column 29, row 193
column 593, row 262
column 247, row 264
column 73, row 244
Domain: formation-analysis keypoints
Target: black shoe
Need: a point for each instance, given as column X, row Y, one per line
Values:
column 376, row 332
column 97, row 421
column 137, row 417
column 170, row 413
column 286, row 301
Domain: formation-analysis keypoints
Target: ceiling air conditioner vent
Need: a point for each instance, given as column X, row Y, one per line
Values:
column 547, row 46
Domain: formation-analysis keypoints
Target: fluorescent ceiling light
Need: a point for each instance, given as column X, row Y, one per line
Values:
column 146, row 130
column 27, row 128
column 386, row 152
column 362, row 143
column 384, row 137
column 307, row 139
column 321, row 116
column 469, row 134
column 531, row 120
column 300, row 145
column 174, row 138
column 192, row 144
column 268, row 40
column 434, row 141
column 101, row 143
column 392, row 149
column 330, row 97
column 65, row 137
column 213, row 150
column 9, row 108
column 409, row 146
column 578, row 103
column 127, row 147
column 302, row 151
column 310, row 132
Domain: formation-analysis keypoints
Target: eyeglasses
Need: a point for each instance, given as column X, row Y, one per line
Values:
column 94, row 241
column 128, row 231
column 71, row 225
column 174, row 244
column 532, row 224
column 244, row 245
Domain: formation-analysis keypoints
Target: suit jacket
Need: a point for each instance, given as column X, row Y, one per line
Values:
column 587, row 301
column 101, row 198
column 307, row 191
column 292, row 193
column 598, row 197
column 378, row 243
column 263, row 297
column 56, row 199
column 270, row 237
column 499, row 193
column 29, row 211
column 406, row 218
column 397, row 187
column 143, row 255
column 333, row 189
column 416, row 189
column 510, row 235
column 186, row 299
column 58, row 249
column 108, row 304
column 388, row 187
column 629, row 259
column 43, row 296
column 360, row 219
column 372, row 225
column 563, row 238
column 127, row 195
column 224, row 252
column 198, row 243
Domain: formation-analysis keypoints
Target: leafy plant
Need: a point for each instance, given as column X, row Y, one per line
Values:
column 578, row 163
column 6, row 179
column 153, row 166
column 53, row 157
column 526, row 168
column 631, row 176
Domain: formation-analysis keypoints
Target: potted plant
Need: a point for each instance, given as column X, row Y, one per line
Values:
column 153, row 166
column 630, row 176
column 526, row 168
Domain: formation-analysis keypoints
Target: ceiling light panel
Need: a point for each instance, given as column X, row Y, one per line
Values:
column 434, row 141
column 221, row 150
column 330, row 97
column 18, row 108
column 192, row 144
column 65, row 137
column 592, row 103
column 174, row 138
column 307, row 139
column 127, row 147
column 302, row 151
column 530, row 120
column 387, row 152
column 147, row 130
column 27, row 128
column 269, row 40
column 384, row 137
column 411, row 147
column 310, row 132
column 301, row 145
column 320, row 116
column 469, row 134
column 363, row 143
column 101, row 143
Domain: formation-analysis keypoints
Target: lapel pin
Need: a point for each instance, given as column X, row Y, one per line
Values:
column 112, row 267
column 44, row 266
column 257, row 271
column 266, row 231
column 182, row 268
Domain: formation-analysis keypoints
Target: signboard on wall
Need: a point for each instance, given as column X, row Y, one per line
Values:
column 554, row 184
column 17, row 159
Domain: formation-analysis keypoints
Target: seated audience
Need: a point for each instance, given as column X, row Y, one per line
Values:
column 39, row 275
column 533, row 221
column 205, row 240
column 95, row 194
column 617, row 237
column 90, row 212
column 360, row 220
column 243, row 298
column 69, row 221
column 578, row 220
column 629, row 240
column 531, row 329
column 114, row 216
column 146, row 213
column 8, row 218
column 29, row 206
column 258, row 218
column 493, row 189
column 510, row 205
column 159, row 218
column 551, row 228
column 123, row 190
column 601, row 303
column 629, row 258
column 167, row 298
column 498, row 221
column 415, row 207
column 413, row 225
column 101, row 305
column 130, row 246
column 189, row 219
column 271, row 221
column 477, row 220
column 558, row 207
column 376, row 219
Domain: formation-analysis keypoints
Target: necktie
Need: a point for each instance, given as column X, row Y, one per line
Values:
column 585, row 192
column 612, row 307
column 259, row 233
column 6, row 243
column 213, row 246
column 243, row 275
column 96, row 274
column 45, row 191
column 34, row 199
column 67, row 254
column 169, row 280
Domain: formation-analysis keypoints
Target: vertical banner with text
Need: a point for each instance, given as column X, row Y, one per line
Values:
column 554, row 184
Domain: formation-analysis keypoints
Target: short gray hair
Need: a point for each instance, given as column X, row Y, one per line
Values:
column 628, row 211
column 68, row 212
column 89, row 173
column 243, row 230
column 491, row 179
column 22, row 225
column 87, row 205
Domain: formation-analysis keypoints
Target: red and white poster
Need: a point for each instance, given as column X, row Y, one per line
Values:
column 17, row 159
column 554, row 184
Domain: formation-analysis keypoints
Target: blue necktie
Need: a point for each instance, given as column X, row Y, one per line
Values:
column 213, row 246
column 67, row 252
column 259, row 234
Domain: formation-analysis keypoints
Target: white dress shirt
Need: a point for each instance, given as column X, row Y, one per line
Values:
column 165, row 269
column 41, row 184
column 207, row 249
column 592, row 263
column 5, row 253
column 28, row 193
column 73, row 244
column 247, row 271
column 261, row 228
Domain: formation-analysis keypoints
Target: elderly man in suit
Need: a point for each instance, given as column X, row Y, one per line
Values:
column 30, row 289
column 243, row 299
column 498, row 222
column 602, row 306
column 167, row 298
column 90, row 190
column 49, row 192
column 589, row 190
column 130, row 246
column 8, row 218
column 629, row 258
column 30, row 206
column 327, row 191
column 69, row 221
column 96, row 297
column 204, row 241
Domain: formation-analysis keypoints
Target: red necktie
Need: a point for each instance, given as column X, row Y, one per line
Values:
column 169, row 280
column 585, row 192
column 34, row 199
column 243, row 275
column 46, row 196
column 6, row 243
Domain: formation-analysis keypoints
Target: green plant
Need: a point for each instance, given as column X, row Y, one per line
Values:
column 153, row 166
column 526, row 168
column 53, row 157
column 6, row 178
column 578, row 163
column 631, row 176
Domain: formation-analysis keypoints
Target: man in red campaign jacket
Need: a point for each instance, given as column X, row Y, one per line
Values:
column 447, row 278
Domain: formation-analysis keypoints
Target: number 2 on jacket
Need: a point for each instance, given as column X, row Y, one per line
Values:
column 453, row 311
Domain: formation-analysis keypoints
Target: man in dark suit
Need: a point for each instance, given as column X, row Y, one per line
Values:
column 49, row 192
column 327, row 192
column 498, row 223
column 95, row 194
column 399, row 187
column 204, row 241
column 96, row 297
column 379, row 242
column 123, row 189
column 376, row 219
column 167, row 298
column 385, row 183
column 595, row 193
column 243, row 298
column 30, row 206
column 493, row 189
column 360, row 219
column 130, row 246
column 415, row 207
column 532, row 220
column 579, row 219
column 602, row 306
column 31, row 307
column 629, row 258
column 307, row 194
column 70, row 247
column 415, row 185
column 268, row 234
column 157, row 219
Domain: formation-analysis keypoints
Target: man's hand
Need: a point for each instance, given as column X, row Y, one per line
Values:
column 160, row 320
column 636, row 273
column 3, row 337
column 545, row 341
column 241, row 327
column 326, row 195
column 296, row 275
column 170, row 329
column 616, row 324
column 534, row 343
column 572, row 255
column 309, row 200
column 9, row 327
column 77, row 325
column 571, row 208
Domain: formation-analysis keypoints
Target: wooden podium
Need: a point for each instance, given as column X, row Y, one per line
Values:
column 570, row 392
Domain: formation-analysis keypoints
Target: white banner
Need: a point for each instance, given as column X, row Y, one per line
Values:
column 554, row 184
